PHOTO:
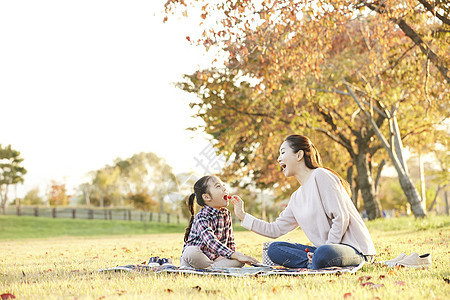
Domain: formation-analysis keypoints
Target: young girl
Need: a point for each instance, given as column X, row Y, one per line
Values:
column 321, row 207
column 209, row 239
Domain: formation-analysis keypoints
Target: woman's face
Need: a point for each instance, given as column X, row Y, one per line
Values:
column 288, row 160
column 218, row 194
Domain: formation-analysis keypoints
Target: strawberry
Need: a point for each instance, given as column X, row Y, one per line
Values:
column 306, row 250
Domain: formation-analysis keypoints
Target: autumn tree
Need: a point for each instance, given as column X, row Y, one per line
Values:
column 57, row 195
column 301, row 67
column 143, row 200
column 11, row 172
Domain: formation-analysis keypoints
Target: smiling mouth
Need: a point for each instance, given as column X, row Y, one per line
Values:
column 283, row 167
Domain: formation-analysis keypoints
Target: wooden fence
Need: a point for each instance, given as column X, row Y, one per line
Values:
column 94, row 213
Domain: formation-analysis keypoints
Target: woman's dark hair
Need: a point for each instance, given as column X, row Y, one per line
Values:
column 200, row 188
column 312, row 157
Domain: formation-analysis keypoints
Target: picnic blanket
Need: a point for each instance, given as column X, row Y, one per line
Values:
column 236, row 272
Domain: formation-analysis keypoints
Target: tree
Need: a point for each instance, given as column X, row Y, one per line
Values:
column 273, row 62
column 57, row 194
column 143, row 201
column 32, row 197
column 11, row 172
column 139, row 180
column 441, row 178
column 425, row 24
column 147, row 173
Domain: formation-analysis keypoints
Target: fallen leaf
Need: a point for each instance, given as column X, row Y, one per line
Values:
column 168, row 291
column 392, row 272
column 376, row 286
column 446, row 280
column 368, row 283
column 198, row 288
column 121, row 292
column 364, row 278
column 382, row 276
column 7, row 296
column 347, row 295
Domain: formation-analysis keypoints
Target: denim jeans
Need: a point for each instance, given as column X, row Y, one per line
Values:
column 293, row 255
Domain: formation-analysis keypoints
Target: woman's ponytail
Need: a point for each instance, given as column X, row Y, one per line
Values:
column 190, row 204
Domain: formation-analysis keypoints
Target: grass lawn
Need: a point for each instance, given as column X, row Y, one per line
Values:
column 58, row 259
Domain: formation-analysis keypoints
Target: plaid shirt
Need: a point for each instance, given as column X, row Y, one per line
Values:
column 212, row 231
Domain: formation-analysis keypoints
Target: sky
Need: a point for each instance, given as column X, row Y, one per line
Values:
column 85, row 82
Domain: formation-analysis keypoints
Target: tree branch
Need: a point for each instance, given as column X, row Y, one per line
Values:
column 430, row 8
column 423, row 47
column 328, row 118
column 332, row 137
column 409, row 32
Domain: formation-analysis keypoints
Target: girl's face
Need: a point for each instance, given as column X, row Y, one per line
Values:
column 218, row 194
column 289, row 160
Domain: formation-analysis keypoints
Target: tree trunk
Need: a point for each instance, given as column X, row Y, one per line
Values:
column 423, row 194
column 438, row 189
column 446, row 203
column 4, row 199
column 413, row 196
column 366, row 185
column 161, row 205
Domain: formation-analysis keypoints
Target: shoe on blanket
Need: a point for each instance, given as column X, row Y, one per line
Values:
column 153, row 261
column 393, row 262
column 414, row 260
column 165, row 261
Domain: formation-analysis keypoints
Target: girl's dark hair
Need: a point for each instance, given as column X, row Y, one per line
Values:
column 200, row 188
column 312, row 157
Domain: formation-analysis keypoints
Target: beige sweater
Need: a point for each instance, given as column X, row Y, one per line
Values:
column 325, row 213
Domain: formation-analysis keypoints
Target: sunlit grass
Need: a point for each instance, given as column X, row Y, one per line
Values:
column 67, row 268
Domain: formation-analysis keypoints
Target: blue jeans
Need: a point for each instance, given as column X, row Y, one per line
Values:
column 293, row 255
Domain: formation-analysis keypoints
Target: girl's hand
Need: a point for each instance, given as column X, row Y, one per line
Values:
column 238, row 207
column 244, row 258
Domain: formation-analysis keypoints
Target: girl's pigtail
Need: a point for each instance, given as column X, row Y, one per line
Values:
column 190, row 204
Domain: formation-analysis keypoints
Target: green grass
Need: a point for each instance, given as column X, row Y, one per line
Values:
column 12, row 227
column 66, row 267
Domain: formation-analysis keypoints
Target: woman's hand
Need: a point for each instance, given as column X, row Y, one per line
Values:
column 310, row 256
column 244, row 258
column 238, row 207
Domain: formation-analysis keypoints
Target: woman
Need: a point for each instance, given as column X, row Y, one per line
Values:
column 321, row 206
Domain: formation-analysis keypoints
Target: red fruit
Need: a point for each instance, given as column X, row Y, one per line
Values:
column 224, row 197
column 306, row 250
column 229, row 197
